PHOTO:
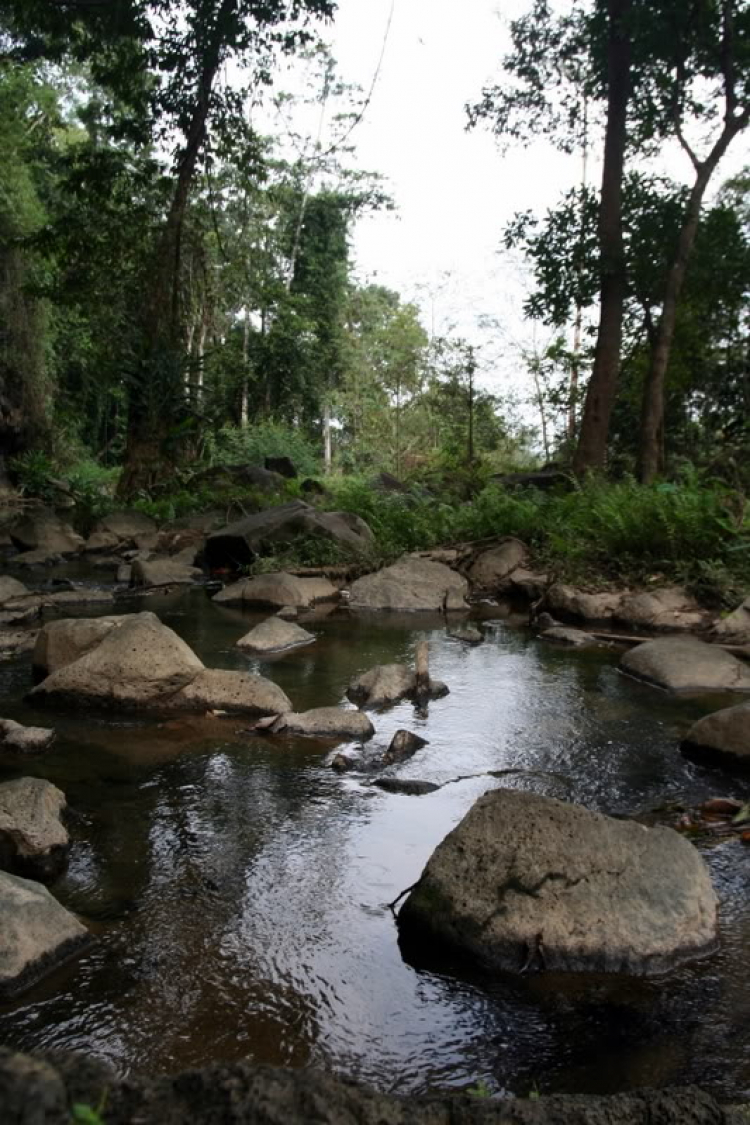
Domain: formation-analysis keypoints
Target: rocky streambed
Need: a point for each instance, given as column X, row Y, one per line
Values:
column 239, row 889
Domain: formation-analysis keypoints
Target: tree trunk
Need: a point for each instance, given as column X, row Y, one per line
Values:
column 651, row 453
column 327, row 453
column 592, row 442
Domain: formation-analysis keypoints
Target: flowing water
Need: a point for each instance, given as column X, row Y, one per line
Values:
column 239, row 888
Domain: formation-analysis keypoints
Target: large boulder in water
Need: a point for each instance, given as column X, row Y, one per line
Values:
column 61, row 642
column 33, row 839
column 386, row 684
column 277, row 590
column 411, row 583
column 275, row 635
column 142, row 664
column 36, row 934
column 686, row 664
column 240, row 542
column 723, row 737
column 326, row 722
column 531, row 882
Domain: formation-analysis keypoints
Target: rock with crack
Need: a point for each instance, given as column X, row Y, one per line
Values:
column 275, row 635
column 529, row 882
column 411, row 583
column 36, row 934
column 325, row 722
column 386, row 684
column 275, row 591
column 33, row 839
column 722, row 738
column 686, row 664
column 142, row 664
column 24, row 740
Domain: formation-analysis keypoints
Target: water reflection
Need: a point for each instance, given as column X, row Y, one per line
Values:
column 239, row 886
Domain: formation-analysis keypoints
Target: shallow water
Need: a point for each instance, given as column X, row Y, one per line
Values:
column 238, row 887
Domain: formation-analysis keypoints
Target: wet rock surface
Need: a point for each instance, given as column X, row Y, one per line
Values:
column 686, row 664
column 36, row 934
column 531, row 883
column 40, row 1091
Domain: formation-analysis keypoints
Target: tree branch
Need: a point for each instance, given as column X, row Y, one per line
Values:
column 728, row 59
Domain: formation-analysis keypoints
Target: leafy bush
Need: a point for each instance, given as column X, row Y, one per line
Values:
column 251, row 446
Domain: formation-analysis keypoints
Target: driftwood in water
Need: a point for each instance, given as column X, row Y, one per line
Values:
column 422, row 669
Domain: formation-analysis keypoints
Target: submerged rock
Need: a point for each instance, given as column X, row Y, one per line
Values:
column 686, row 664
column 33, row 840
column 275, row 635
column 723, row 737
column 36, row 934
column 326, row 722
column 411, row 583
column 277, row 591
column 407, row 786
column 528, row 882
column 24, row 740
column 143, row 664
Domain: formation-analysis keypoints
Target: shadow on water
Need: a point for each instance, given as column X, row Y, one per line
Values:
column 239, row 887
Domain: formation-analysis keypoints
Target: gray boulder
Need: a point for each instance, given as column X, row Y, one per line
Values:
column 239, row 693
column 528, row 882
column 61, row 642
column 240, row 542
column 275, row 635
column 33, row 840
column 569, row 602
column 489, row 569
column 24, row 740
column 11, row 588
column 411, row 583
column 163, row 572
column 670, row 608
column 326, row 722
column 386, row 684
column 735, row 627
column 125, row 525
column 36, row 934
column 275, row 591
column 686, row 664
column 723, row 736
column 565, row 635
column 44, row 531
column 141, row 664
column 529, row 585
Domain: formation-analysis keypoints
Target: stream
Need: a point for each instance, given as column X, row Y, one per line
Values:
column 238, row 886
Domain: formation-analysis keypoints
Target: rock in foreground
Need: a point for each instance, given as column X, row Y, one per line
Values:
column 36, row 934
column 686, row 664
column 723, row 737
column 34, row 1090
column 528, row 882
column 412, row 583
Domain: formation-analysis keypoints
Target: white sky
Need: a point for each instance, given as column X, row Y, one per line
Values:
column 454, row 190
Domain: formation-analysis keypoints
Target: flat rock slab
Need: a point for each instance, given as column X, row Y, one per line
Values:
column 24, row 740
column 686, row 664
column 275, row 635
column 326, row 722
column 527, row 882
column 723, row 737
column 36, row 934
column 276, row 591
column 412, row 583
column 33, row 839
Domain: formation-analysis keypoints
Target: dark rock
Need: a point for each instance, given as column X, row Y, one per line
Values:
column 408, row 786
column 281, row 465
column 312, row 487
column 240, row 542
column 467, row 635
column 403, row 745
column 342, row 763
column 125, row 526
column 163, row 572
